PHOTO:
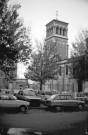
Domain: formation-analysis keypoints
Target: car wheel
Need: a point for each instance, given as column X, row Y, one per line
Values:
column 23, row 108
column 80, row 106
column 58, row 108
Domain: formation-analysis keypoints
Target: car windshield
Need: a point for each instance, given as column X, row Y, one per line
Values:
column 52, row 97
column 12, row 97
column 29, row 93
column 48, row 93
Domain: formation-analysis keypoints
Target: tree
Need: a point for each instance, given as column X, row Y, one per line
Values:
column 14, row 40
column 79, row 56
column 44, row 64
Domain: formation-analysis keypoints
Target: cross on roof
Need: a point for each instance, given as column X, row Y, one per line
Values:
column 56, row 15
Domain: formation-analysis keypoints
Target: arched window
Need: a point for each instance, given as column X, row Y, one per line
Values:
column 57, row 30
column 66, row 69
column 60, row 70
column 64, row 32
column 52, row 30
column 60, row 30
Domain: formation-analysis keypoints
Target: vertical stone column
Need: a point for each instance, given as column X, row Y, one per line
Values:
column 66, row 32
column 54, row 30
column 62, row 31
column 48, row 31
column 58, row 30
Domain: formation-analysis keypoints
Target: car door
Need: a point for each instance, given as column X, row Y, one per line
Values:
column 71, row 101
column 7, row 102
column 3, row 101
column 56, row 101
column 63, row 100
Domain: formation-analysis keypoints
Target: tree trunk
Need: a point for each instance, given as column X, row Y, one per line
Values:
column 41, row 85
column 80, row 85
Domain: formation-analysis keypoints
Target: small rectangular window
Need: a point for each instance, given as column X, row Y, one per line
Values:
column 60, row 71
column 58, row 98
column 66, row 69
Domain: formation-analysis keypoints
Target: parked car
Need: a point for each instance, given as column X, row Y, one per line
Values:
column 11, row 102
column 5, row 91
column 30, row 96
column 61, row 101
column 81, row 96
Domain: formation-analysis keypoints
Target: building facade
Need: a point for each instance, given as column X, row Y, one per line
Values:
column 57, row 31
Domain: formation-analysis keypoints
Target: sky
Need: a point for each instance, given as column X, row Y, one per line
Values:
column 37, row 13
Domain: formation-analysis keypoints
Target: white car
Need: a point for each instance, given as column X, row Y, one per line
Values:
column 10, row 101
column 59, row 101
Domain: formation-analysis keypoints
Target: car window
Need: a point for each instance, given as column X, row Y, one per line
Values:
column 69, row 97
column 9, row 98
column 4, row 97
column 52, row 97
column 12, row 97
column 48, row 93
column 20, row 92
column 41, row 93
column 58, row 98
column 32, row 93
column 29, row 93
column 62, row 97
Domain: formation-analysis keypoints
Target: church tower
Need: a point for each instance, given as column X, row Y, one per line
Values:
column 57, row 31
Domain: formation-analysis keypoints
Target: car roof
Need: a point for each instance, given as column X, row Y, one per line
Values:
column 27, row 89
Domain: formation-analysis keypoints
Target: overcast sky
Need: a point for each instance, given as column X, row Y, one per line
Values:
column 37, row 13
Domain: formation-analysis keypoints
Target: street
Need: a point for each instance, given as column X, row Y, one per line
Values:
column 45, row 122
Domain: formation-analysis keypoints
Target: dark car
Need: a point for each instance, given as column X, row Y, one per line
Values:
column 30, row 96
column 61, row 101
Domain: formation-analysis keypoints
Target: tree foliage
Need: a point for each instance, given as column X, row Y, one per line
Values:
column 44, row 64
column 79, row 54
column 14, row 41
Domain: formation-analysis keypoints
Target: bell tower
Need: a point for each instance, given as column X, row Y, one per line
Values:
column 57, row 31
